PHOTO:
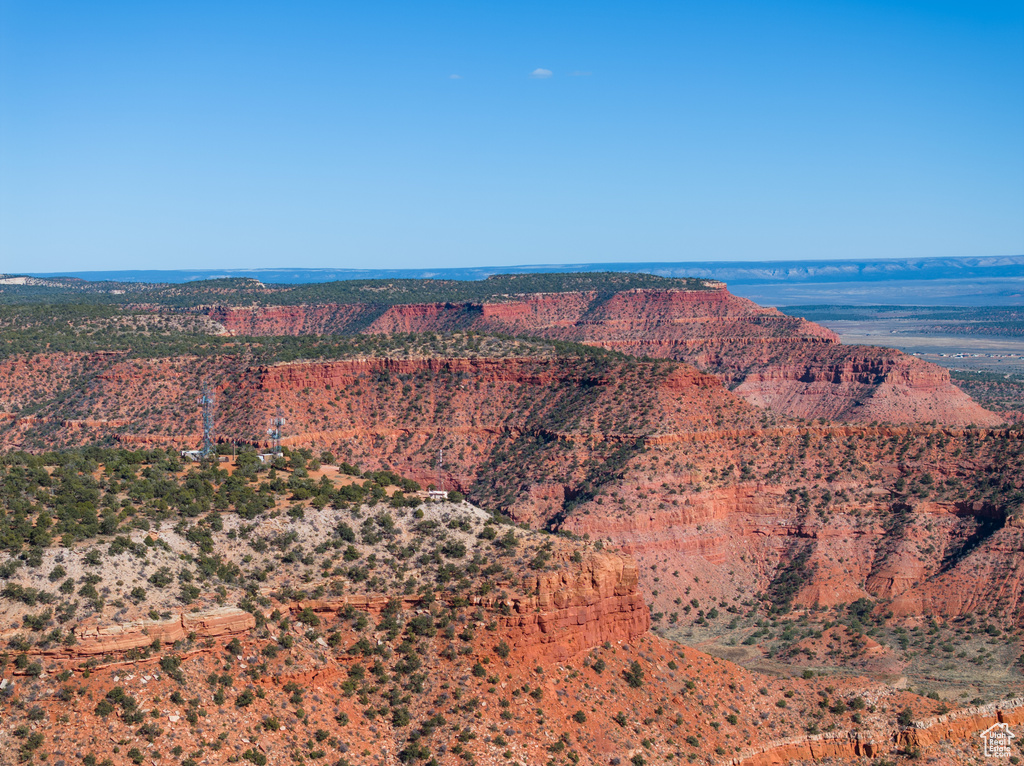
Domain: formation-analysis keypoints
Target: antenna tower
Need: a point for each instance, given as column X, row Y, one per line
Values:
column 207, row 402
column 440, row 468
column 274, row 432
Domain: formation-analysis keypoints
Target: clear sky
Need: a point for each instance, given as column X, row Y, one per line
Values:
column 146, row 134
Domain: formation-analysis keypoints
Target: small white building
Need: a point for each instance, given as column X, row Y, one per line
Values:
column 437, row 494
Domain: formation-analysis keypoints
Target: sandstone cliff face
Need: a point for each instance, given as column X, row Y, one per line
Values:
column 960, row 725
column 941, row 559
column 863, row 385
column 784, row 363
column 579, row 607
column 558, row 614
column 91, row 638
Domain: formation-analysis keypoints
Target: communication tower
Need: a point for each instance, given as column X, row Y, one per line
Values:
column 207, row 402
column 440, row 469
column 274, row 432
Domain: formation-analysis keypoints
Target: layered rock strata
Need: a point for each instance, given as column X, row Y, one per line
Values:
column 784, row 363
column 559, row 614
column 92, row 638
column 956, row 726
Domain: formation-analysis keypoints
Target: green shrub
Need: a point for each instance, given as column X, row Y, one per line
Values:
column 635, row 675
column 255, row 756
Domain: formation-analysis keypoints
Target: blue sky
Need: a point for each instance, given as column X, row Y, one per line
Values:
column 408, row 134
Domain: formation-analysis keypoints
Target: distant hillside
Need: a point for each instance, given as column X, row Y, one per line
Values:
column 734, row 272
column 979, row 281
column 241, row 290
column 780, row 362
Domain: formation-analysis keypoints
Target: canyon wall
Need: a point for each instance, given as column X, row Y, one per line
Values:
column 772, row 360
column 578, row 607
column 734, row 542
column 630, row 451
column 556, row 615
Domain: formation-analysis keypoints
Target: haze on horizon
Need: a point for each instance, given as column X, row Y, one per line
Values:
column 450, row 134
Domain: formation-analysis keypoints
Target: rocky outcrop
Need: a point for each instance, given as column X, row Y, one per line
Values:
column 578, row 607
column 963, row 723
column 92, row 638
column 817, row 747
column 861, row 384
column 958, row 725
column 556, row 615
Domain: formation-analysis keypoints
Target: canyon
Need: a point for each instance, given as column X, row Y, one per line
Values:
column 772, row 360
column 561, row 637
column 654, row 457
column 679, row 465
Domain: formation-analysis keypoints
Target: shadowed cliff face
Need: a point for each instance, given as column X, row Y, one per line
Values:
column 784, row 363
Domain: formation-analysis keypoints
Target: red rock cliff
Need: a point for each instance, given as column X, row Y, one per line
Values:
column 784, row 363
column 92, row 638
column 579, row 607
column 557, row 614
